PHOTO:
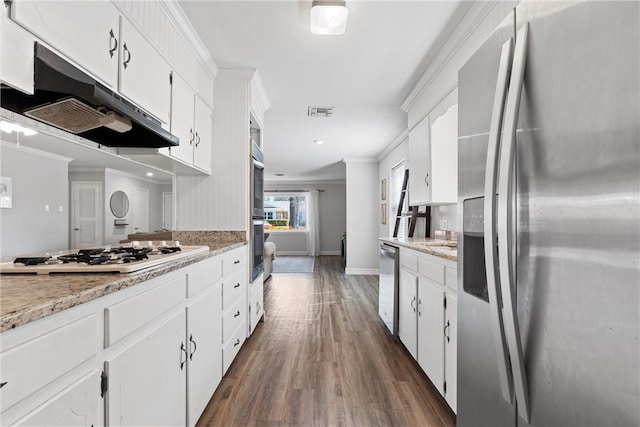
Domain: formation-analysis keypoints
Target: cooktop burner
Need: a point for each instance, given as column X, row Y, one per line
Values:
column 121, row 259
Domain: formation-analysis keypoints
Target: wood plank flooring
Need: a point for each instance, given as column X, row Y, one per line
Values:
column 323, row 357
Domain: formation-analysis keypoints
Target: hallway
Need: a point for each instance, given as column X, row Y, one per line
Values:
column 323, row 357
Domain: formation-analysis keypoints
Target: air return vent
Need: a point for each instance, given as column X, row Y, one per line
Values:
column 320, row 111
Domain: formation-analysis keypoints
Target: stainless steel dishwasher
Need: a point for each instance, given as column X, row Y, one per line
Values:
column 388, row 286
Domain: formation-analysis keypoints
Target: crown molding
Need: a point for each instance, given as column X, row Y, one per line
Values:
column 399, row 139
column 184, row 27
column 476, row 15
column 348, row 160
column 34, row 151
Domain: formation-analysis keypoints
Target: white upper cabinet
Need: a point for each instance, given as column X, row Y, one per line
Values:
column 191, row 123
column 433, row 156
column 144, row 74
column 92, row 41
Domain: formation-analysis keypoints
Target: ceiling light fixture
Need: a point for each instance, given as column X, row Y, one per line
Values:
column 328, row 17
column 149, row 173
column 9, row 127
column 319, row 141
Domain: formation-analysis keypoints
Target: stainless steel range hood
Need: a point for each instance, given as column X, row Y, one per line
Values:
column 69, row 99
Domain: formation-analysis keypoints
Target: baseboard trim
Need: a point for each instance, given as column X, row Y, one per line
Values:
column 362, row 271
column 291, row 253
column 330, row 253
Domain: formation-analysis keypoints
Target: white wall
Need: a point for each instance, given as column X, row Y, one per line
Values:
column 37, row 180
column 400, row 153
column 333, row 219
column 363, row 193
column 438, row 81
column 116, row 180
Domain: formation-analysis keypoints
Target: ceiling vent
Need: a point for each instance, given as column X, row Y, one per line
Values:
column 320, row 111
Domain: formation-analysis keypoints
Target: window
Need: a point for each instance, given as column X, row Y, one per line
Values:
column 397, row 178
column 285, row 211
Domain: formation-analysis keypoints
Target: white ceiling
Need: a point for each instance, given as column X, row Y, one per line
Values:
column 365, row 73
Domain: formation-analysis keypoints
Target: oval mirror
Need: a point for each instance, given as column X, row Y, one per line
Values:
column 119, row 204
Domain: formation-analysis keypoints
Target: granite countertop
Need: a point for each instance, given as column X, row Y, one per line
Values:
column 446, row 249
column 28, row 297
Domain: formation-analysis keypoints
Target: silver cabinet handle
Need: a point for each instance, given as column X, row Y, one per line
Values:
column 237, row 313
column 490, row 242
column 183, row 350
column 237, row 342
column 195, row 346
column 419, row 303
column 237, row 285
column 505, row 186
column 236, row 262
column 197, row 139
column 412, row 306
column 128, row 53
column 112, row 38
column 191, row 136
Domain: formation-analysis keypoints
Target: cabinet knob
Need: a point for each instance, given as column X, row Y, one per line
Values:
column 237, row 285
column 237, row 314
column 236, row 261
column 237, row 342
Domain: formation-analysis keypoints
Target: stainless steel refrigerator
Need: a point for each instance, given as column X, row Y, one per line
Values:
column 549, row 181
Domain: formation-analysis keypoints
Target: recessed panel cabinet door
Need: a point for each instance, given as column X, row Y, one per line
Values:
column 182, row 98
column 407, row 324
column 431, row 332
column 147, row 380
column 144, row 74
column 92, row 40
column 451, row 352
column 205, row 351
column 419, row 164
column 202, row 144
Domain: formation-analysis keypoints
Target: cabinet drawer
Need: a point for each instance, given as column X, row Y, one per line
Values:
column 409, row 259
column 232, row 318
column 451, row 278
column 234, row 261
column 232, row 288
column 208, row 273
column 29, row 367
column 127, row 316
column 431, row 269
column 231, row 348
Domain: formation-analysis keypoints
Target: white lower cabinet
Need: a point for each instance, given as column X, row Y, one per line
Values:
column 428, row 317
column 205, row 355
column 256, row 303
column 77, row 405
column 150, row 354
column 147, row 381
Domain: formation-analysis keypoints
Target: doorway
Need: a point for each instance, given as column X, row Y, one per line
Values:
column 86, row 214
column 140, row 210
column 167, row 211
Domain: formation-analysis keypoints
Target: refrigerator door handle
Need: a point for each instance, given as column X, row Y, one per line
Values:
column 505, row 232
column 490, row 238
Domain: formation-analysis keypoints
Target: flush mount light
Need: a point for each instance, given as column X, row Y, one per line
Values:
column 328, row 17
column 149, row 173
column 9, row 127
column 319, row 141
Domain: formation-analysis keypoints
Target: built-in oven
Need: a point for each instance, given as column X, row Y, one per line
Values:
column 257, row 209
column 258, row 248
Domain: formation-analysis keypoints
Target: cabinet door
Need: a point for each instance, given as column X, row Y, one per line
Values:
column 205, row 351
column 419, row 164
column 444, row 152
column 17, row 62
column 182, row 119
column 256, row 308
column 407, row 324
column 147, row 380
column 430, row 332
column 91, row 41
column 144, row 74
column 451, row 352
column 202, row 143
column 77, row 405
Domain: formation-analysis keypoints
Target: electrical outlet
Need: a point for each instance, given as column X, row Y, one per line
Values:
column 60, row 208
column 46, row 208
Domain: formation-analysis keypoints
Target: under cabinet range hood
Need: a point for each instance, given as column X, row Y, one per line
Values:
column 69, row 99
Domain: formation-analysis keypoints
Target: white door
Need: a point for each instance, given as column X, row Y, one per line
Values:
column 140, row 208
column 205, row 351
column 407, row 301
column 431, row 332
column 167, row 211
column 77, row 405
column 86, row 214
column 147, row 381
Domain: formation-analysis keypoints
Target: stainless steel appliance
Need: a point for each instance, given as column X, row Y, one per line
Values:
column 257, row 209
column 549, row 175
column 124, row 258
column 388, row 286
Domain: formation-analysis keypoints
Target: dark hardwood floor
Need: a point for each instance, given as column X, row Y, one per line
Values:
column 323, row 357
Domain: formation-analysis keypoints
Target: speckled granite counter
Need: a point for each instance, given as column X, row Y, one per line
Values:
column 445, row 249
column 28, row 297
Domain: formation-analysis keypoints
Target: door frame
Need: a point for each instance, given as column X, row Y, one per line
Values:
column 99, row 210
